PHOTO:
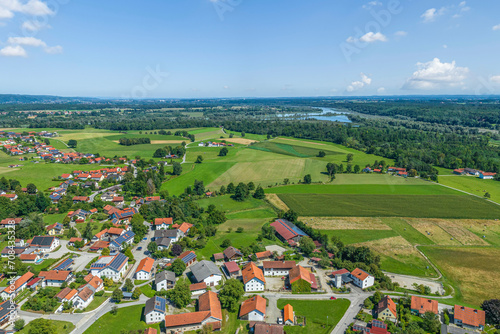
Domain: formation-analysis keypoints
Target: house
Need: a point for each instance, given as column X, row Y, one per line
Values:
column 16, row 251
column 19, row 285
column 253, row 309
column 341, row 277
column 300, row 274
column 232, row 253
column 188, row 257
column 288, row 315
column 66, row 295
column 29, row 258
column 253, row 278
column 163, row 243
column 122, row 241
column 487, row 176
column 373, row 327
column 184, row 228
column 94, row 283
column 263, row 328
column 114, row 232
column 206, row 271
column 278, row 268
column 144, row 269
column 419, row 305
column 386, row 309
column 110, row 266
column 154, row 311
column 162, row 223
column 198, row 288
column 218, row 257
column 172, row 234
column 10, row 221
column 72, row 241
column 286, row 231
column 125, row 214
column 362, row 279
column 56, row 278
column 263, row 255
column 78, row 199
column 47, row 244
column 232, row 269
column 468, row 317
column 6, row 309
column 164, row 280
column 459, row 171
column 12, row 197
column 83, row 299
column 56, row 228
column 209, row 314
column 99, row 245
column 150, row 330
column 472, row 171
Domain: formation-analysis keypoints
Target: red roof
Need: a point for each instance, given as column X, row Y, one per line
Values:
column 160, row 221
column 232, row 267
column 283, row 230
column 360, row 274
column 469, row 316
column 255, row 303
column 146, row 265
column 340, row 272
column 423, row 305
column 198, row 286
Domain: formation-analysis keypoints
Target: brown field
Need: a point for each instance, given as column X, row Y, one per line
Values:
column 395, row 247
column 242, row 141
column 432, row 231
column 300, row 141
column 276, row 202
column 159, row 141
column 460, row 233
column 345, row 223
column 4, row 170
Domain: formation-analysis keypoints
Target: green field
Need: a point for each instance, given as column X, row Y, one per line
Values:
column 473, row 185
column 292, row 150
column 62, row 327
column 420, row 206
column 321, row 315
column 127, row 318
column 368, row 189
column 349, row 237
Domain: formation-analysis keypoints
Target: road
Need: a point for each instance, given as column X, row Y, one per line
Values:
column 101, row 191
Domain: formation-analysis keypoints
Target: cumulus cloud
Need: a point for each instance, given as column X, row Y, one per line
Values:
column 497, row 27
column 436, row 75
column 13, row 51
column 372, row 4
column 356, row 85
column 369, row 37
column 430, row 15
column 8, row 8
column 16, row 44
column 495, row 79
column 33, row 26
column 381, row 90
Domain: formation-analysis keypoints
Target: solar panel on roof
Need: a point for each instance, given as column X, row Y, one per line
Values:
column 64, row 265
column 189, row 257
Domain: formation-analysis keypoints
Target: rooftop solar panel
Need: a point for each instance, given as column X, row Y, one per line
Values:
column 188, row 257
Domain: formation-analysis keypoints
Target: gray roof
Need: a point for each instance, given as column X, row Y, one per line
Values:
column 204, row 269
column 166, row 234
column 164, row 275
column 164, row 242
column 453, row 330
column 156, row 303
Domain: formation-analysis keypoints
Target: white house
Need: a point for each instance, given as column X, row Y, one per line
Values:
column 56, row 278
column 113, row 267
column 19, row 285
column 164, row 280
column 253, row 278
column 154, row 311
column 84, row 298
column 144, row 269
column 277, row 268
column 47, row 244
column 486, row 176
column 253, row 309
column 362, row 279
column 208, row 272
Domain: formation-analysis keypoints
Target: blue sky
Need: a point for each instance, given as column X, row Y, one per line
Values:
column 254, row 48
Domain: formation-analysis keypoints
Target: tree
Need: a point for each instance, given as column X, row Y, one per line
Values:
column 241, row 192
column 286, row 181
column 199, row 159
column 160, row 153
column 226, row 243
column 412, row 172
column 117, row 295
column 128, row 253
column 290, row 215
column 114, row 310
column 307, row 179
column 105, row 251
column 230, row 294
column 240, row 230
column 331, row 169
column 176, row 250
column 129, row 285
column 321, row 154
column 492, row 309
column 178, row 267
column 72, row 143
column 216, row 217
column 87, row 233
column 31, row 188
column 180, row 295
column 487, row 195
column 350, row 156
column 137, row 293
column 251, row 186
column 19, row 324
column 430, row 323
column 230, row 188
column 177, row 168
column 223, row 152
column 357, row 169
column 307, row 245
column 42, row 326
column 259, row 193
column 152, row 247
column 242, row 134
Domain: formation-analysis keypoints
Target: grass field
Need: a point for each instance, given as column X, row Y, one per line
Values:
column 473, row 185
column 473, row 272
column 368, row 189
column 293, row 150
column 357, row 236
column 127, row 318
column 321, row 315
column 420, row 206
column 62, row 327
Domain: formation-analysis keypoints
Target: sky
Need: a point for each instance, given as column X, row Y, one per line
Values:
column 249, row 48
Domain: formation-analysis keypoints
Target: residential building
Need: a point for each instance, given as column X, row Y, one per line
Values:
column 373, row 327
column 162, row 223
column 232, row 269
column 84, row 298
column 66, row 295
column 155, row 309
column 206, row 271
column 6, row 309
column 172, row 234
column 253, row 309
column 144, row 269
column 56, row 278
column 19, row 285
column 487, row 176
column 468, row 317
column 231, row 254
column 263, row 328
column 113, row 267
column 278, row 268
column 54, row 229
column 288, row 315
column 198, row 288
column 122, row 241
column 362, row 279
column 341, row 277
column 253, row 278
column 286, row 230
column 419, row 305
column 47, row 244
column 164, row 280
column 386, row 310
column 188, row 257
column 300, row 273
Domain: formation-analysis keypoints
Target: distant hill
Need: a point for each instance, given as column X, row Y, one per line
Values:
column 19, row 98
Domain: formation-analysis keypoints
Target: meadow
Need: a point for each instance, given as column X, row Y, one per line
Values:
column 367, row 189
column 474, row 186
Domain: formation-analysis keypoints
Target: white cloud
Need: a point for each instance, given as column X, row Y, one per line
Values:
column 31, row 41
column 356, row 85
column 33, row 26
column 372, row 4
column 430, row 15
column 13, row 51
column 381, row 90
column 497, row 27
column 53, row 49
column 16, row 46
column 495, row 79
column 371, row 37
column 400, row 33
column 435, row 75
column 8, row 8
column 445, row 46
column 226, row 87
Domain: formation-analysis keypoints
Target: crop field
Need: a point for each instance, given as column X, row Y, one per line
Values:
column 345, row 223
column 473, row 185
column 474, row 271
column 349, row 237
column 368, row 189
column 292, row 150
column 419, row 206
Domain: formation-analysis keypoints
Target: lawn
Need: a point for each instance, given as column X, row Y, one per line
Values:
column 98, row 300
column 420, row 206
column 127, row 318
column 147, row 290
column 349, row 237
column 62, row 327
column 252, row 213
column 473, row 185
column 473, row 272
column 227, row 204
column 321, row 315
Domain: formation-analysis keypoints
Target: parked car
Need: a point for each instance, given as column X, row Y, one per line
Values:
column 280, row 321
column 333, row 298
column 139, row 248
column 145, row 238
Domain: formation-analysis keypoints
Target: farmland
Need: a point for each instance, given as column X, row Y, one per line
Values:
column 473, row 185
